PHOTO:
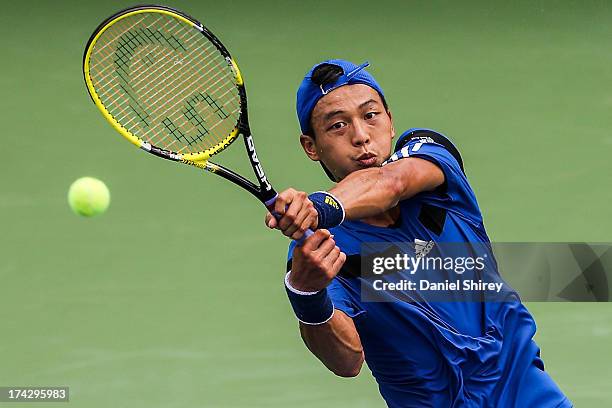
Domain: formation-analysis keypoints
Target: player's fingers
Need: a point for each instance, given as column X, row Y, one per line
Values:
column 291, row 231
column 299, row 230
column 328, row 262
column 332, row 255
column 312, row 242
column 283, row 199
column 271, row 221
column 305, row 225
column 302, row 214
column 288, row 223
column 299, row 233
column 337, row 265
column 311, row 220
column 302, row 222
column 325, row 247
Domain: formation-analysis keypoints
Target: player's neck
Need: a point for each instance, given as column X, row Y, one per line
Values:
column 386, row 219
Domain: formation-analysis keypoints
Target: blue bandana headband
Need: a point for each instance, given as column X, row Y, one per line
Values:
column 309, row 92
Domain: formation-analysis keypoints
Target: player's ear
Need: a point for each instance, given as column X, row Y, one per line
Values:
column 392, row 126
column 310, row 147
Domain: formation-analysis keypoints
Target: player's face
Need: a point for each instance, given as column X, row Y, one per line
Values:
column 352, row 128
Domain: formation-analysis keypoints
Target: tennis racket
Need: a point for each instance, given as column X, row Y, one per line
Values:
column 168, row 85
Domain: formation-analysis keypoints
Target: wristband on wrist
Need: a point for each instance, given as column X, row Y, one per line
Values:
column 330, row 209
column 312, row 308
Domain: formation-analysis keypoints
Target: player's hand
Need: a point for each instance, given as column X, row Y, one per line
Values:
column 297, row 214
column 316, row 263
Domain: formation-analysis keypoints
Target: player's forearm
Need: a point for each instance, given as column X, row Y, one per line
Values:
column 368, row 192
column 336, row 343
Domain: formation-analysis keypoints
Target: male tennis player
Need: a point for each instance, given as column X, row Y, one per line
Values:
column 422, row 354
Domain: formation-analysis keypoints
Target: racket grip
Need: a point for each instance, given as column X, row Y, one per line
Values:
column 270, row 206
column 298, row 242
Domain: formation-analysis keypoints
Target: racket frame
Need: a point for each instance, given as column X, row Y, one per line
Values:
column 263, row 191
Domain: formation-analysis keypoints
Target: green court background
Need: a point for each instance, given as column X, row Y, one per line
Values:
column 174, row 297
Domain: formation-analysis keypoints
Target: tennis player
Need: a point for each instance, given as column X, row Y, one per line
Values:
column 422, row 354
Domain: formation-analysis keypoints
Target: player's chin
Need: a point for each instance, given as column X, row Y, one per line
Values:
column 356, row 165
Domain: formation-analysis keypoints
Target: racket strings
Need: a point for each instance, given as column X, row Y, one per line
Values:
column 166, row 83
column 171, row 128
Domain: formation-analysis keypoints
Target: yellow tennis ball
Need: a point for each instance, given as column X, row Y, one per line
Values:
column 88, row 196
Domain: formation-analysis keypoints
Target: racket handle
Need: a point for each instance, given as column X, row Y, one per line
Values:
column 270, row 206
column 298, row 242
column 307, row 233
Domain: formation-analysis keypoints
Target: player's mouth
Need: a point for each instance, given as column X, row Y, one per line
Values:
column 366, row 159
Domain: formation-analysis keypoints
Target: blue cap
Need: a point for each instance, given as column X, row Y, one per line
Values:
column 309, row 92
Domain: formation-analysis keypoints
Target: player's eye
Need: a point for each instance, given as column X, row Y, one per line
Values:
column 370, row 115
column 337, row 125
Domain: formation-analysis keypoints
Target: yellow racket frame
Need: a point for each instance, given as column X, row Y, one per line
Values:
column 202, row 156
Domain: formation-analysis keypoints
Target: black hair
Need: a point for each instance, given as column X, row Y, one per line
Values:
column 326, row 74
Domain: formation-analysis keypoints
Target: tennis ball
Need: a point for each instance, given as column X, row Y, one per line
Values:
column 88, row 196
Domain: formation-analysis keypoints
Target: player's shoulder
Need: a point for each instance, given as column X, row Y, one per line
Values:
column 412, row 139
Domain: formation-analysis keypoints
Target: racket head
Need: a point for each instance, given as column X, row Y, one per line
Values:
column 166, row 83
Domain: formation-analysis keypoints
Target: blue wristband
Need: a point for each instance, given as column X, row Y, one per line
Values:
column 331, row 211
column 311, row 308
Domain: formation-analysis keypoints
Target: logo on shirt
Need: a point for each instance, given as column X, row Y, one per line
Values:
column 422, row 248
column 422, row 139
column 420, row 142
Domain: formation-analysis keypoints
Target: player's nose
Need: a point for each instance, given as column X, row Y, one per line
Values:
column 360, row 135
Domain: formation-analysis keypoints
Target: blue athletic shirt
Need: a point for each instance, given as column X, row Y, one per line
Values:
column 441, row 354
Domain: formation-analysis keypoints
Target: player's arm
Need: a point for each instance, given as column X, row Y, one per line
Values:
column 327, row 332
column 336, row 343
column 363, row 193
column 368, row 192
